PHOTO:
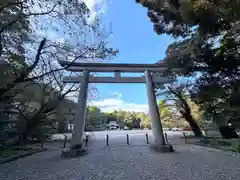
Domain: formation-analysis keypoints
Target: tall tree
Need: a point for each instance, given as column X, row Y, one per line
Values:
column 34, row 35
column 183, row 103
column 208, row 49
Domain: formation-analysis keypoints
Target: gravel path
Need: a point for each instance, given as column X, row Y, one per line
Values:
column 134, row 162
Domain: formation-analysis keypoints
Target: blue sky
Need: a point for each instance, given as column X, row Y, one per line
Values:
column 133, row 35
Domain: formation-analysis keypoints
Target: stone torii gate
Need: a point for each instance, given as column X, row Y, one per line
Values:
column 149, row 78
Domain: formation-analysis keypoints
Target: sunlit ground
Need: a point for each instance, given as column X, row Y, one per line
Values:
column 120, row 161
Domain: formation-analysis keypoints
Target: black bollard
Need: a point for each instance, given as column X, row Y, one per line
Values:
column 41, row 143
column 107, row 139
column 1, row 149
column 64, row 141
column 127, row 139
column 86, row 141
column 147, row 138
column 185, row 137
column 2, row 146
column 166, row 138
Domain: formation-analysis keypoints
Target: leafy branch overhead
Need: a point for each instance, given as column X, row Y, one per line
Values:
column 31, row 43
column 206, row 49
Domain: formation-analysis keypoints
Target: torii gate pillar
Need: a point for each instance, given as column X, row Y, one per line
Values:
column 159, row 141
column 78, row 130
column 76, row 143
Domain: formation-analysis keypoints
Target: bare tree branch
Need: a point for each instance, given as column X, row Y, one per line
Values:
column 44, row 13
column 24, row 73
column 55, row 70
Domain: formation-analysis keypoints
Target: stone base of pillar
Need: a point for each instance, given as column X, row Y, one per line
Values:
column 162, row 148
column 69, row 152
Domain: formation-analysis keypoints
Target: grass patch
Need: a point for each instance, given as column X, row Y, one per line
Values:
column 10, row 152
column 190, row 137
column 234, row 144
column 14, row 150
column 225, row 144
column 14, row 153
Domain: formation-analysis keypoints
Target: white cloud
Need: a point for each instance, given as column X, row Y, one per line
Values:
column 97, row 7
column 117, row 103
column 117, row 95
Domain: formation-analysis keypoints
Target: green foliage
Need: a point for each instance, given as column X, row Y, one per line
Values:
column 163, row 109
column 94, row 118
column 127, row 118
column 166, row 115
column 208, row 47
column 179, row 17
column 236, row 146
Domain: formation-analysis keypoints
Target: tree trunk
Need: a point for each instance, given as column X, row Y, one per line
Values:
column 61, row 128
column 195, row 128
column 21, row 139
column 189, row 118
column 186, row 113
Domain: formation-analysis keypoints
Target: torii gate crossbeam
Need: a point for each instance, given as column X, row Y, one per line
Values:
column 85, row 78
column 111, row 67
column 116, row 79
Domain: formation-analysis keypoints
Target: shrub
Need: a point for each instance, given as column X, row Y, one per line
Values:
column 236, row 145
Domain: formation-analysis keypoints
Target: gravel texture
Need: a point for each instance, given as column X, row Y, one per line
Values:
column 133, row 162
